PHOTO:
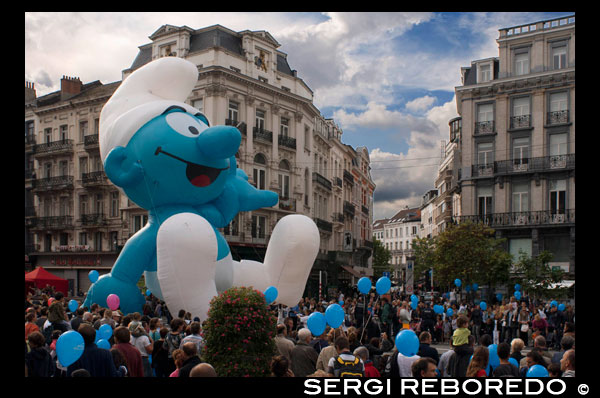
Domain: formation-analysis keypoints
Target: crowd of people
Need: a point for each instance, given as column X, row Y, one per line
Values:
column 153, row 343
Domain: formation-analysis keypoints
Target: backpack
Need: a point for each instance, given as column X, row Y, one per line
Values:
column 348, row 368
column 391, row 366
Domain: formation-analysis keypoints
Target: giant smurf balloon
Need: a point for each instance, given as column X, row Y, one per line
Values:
column 163, row 155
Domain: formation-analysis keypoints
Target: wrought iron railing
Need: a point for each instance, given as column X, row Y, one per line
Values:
column 262, row 134
column 557, row 117
column 93, row 219
column 53, row 182
column 286, row 141
column 348, row 208
column 522, row 219
column 519, row 122
column 90, row 141
column 348, row 177
column 54, row 146
column 93, row 177
column 324, row 225
column 337, row 181
column 241, row 126
column 53, row 222
column 485, row 127
column 321, row 180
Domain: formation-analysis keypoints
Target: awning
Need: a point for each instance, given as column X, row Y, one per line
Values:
column 563, row 284
column 352, row 271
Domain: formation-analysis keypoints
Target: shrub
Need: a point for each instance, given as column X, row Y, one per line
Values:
column 239, row 334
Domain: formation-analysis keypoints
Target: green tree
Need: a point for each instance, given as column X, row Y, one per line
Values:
column 424, row 252
column 239, row 334
column 381, row 259
column 469, row 252
column 535, row 275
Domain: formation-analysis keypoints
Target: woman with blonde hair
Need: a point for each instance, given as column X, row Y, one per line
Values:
column 516, row 345
column 178, row 358
column 478, row 363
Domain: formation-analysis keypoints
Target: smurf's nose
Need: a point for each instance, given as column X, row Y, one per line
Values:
column 219, row 142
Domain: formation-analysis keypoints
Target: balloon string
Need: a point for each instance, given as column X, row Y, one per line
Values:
column 370, row 314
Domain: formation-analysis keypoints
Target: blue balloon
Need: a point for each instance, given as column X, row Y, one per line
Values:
column 483, row 305
column 514, row 362
column 383, row 285
column 271, row 294
column 414, row 298
column 537, row 371
column 475, row 287
column 316, row 323
column 457, row 282
column 499, row 296
column 494, row 359
column 407, row 343
column 93, row 275
column 334, row 315
column 561, row 307
column 413, row 305
column 341, row 302
column 73, row 305
column 104, row 332
column 518, row 295
column 69, row 347
column 517, row 287
column 553, row 303
column 364, row 285
column 438, row 309
column 148, row 292
column 102, row 343
column 449, row 312
column 468, row 288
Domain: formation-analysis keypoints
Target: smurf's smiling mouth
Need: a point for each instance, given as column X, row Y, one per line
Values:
column 199, row 175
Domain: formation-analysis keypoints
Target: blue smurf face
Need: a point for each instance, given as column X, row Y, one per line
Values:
column 184, row 161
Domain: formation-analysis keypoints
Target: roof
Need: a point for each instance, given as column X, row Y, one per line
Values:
column 90, row 90
column 405, row 215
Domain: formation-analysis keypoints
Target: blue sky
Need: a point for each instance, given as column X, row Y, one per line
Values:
column 387, row 79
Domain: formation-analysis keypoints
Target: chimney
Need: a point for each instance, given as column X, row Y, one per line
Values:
column 69, row 86
column 29, row 91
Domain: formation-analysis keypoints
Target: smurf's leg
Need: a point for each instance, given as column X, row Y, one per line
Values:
column 290, row 255
column 186, row 263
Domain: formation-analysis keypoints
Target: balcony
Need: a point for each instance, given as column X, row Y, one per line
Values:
column 522, row 219
column 91, row 141
column 535, row 165
column 365, row 210
column 94, row 219
column 337, row 182
column 287, row 142
column 319, row 179
column 287, row 204
column 241, row 126
column 29, row 139
column 338, row 218
column 324, row 225
column 57, row 222
column 558, row 117
column 520, row 122
column 349, row 208
column 93, row 178
column 488, row 127
column 348, row 177
column 261, row 134
column 54, row 147
column 53, row 183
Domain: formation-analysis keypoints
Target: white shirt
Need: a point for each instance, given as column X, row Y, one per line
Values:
column 140, row 343
column 405, row 364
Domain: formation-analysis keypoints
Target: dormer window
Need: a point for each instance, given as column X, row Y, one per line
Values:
column 485, row 73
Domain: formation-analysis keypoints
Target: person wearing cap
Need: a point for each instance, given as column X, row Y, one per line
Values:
column 163, row 155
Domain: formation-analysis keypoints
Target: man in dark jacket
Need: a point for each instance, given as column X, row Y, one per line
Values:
column 459, row 361
column 476, row 319
column 425, row 348
column 190, row 358
column 38, row 361
column 97, row 361
column 304, row 357
column 427, row 319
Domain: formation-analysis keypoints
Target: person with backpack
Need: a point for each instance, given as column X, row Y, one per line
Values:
column 57, row 320
column 173, row 341
column 345, row 364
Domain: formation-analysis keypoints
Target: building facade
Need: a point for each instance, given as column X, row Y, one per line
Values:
column 73, row 218
column 287, row 147
column 516, row 146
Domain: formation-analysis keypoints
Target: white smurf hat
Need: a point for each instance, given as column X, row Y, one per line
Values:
column 142, row 96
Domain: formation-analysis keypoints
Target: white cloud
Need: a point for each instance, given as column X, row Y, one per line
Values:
column 420, row 104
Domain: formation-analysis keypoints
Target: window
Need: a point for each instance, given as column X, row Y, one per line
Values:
column 98, row 241
column 414, row 230
column 558, row 193
column 306, row 138
column 198, row 104
column 260, row 120
column 520, row 197
column 284, row 179
column 96, row 126
column 521, row 60
column 558, row 102
column 64, row 239
column 83, row 205
column 519, row 245
column 83, row 130
column 484, row 201
column 63, row 168
column 559, row 56
column 99, row 206
column 47, row 170
column 485, row 73
column 114, row 204
column 83, row 238
column 258, row 226
column 233, row 229
column 485, row 154
column 284, row 126
column 259, row 171
column 114, row 240
column 83, row 166
column 521, row 106
column 139, row 221
column 233, row 111
column 48, row 135
column 558, row 150
column 520, row 153
column 64, row 132
column 485, row 113
column 64, row 207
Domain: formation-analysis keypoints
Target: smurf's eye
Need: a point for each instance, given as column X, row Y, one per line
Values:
column 185, row 124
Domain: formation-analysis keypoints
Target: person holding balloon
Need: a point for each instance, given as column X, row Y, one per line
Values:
column 506, row 367
column 98, row 361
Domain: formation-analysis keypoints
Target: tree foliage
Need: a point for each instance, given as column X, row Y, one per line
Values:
column 381, row 259
column 535, row 275
column 239, row 334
